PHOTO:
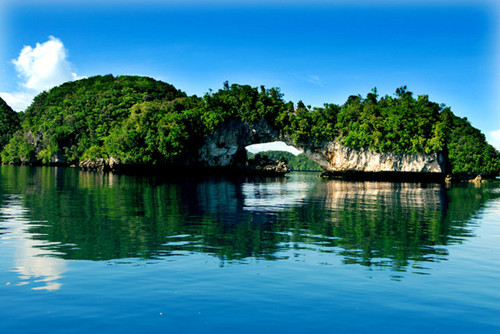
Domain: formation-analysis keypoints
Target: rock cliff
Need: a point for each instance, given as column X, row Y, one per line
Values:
column 334, row 157
column 226, row 147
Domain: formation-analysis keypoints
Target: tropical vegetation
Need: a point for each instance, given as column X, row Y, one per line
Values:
column 144, row 121
column 9, row 123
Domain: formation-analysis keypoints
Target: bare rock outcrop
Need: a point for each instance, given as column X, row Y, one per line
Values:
column 100, row 164
column 226, row 146
column 334, row 157
column 264, row 166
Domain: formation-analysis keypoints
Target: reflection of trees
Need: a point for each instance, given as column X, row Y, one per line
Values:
column 104, row 216
column 375, row 223
column 96, row 216
column 385, row 224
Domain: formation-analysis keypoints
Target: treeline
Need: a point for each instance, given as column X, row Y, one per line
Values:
column 298, row 162
column 136, row 119
column 399, row 123
column 143, row 121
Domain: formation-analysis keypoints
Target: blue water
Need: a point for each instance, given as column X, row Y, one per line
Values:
column 86, row 252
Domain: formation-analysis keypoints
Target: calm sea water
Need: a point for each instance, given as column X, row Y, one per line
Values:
column 84, row 252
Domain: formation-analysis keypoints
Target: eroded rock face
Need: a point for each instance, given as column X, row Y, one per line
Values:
column 34, row 139
column 100, row 164
column 57, row 158
column 334, row 157
column 226, row 146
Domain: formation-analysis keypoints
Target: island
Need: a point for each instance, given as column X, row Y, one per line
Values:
column 128, row 123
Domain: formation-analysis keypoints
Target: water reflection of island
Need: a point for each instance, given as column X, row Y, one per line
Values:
column 381, row 223
column 275, row 195
column 96, row 216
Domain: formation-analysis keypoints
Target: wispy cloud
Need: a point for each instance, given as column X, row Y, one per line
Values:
column 39, row 68
column 314, row 79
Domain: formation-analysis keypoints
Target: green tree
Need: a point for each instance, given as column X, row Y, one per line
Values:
column 145, row 121
column 9, row 123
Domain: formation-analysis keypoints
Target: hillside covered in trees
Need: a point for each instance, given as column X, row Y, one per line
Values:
column 143, row 121
column 9, row 123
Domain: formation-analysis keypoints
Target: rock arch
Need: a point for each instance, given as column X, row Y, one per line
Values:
column 226, row 148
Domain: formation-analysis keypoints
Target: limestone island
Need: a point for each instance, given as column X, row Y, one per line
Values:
column 132, row 123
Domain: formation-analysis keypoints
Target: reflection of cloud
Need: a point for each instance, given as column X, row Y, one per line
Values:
column 32, row 262
column 273, row 196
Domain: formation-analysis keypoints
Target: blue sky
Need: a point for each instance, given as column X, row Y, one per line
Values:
column 315, row 51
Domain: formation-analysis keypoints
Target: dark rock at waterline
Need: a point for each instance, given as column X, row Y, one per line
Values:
column 261, row 164
column 386, row 176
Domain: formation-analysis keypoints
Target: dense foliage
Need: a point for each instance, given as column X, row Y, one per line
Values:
column 143, row 121
column 298, row 162
column 136, row 119
column 9, row 123
column 468, row 150
column 399, row 123
column 74, row 119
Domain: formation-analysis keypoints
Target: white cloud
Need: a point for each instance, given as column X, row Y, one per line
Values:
column 19, row 100
column 494, row 138
column 39, row 68
column 44, row 66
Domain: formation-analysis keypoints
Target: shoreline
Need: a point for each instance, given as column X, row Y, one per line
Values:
column 238, row 171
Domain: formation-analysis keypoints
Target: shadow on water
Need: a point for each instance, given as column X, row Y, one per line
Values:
column 70, row 214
